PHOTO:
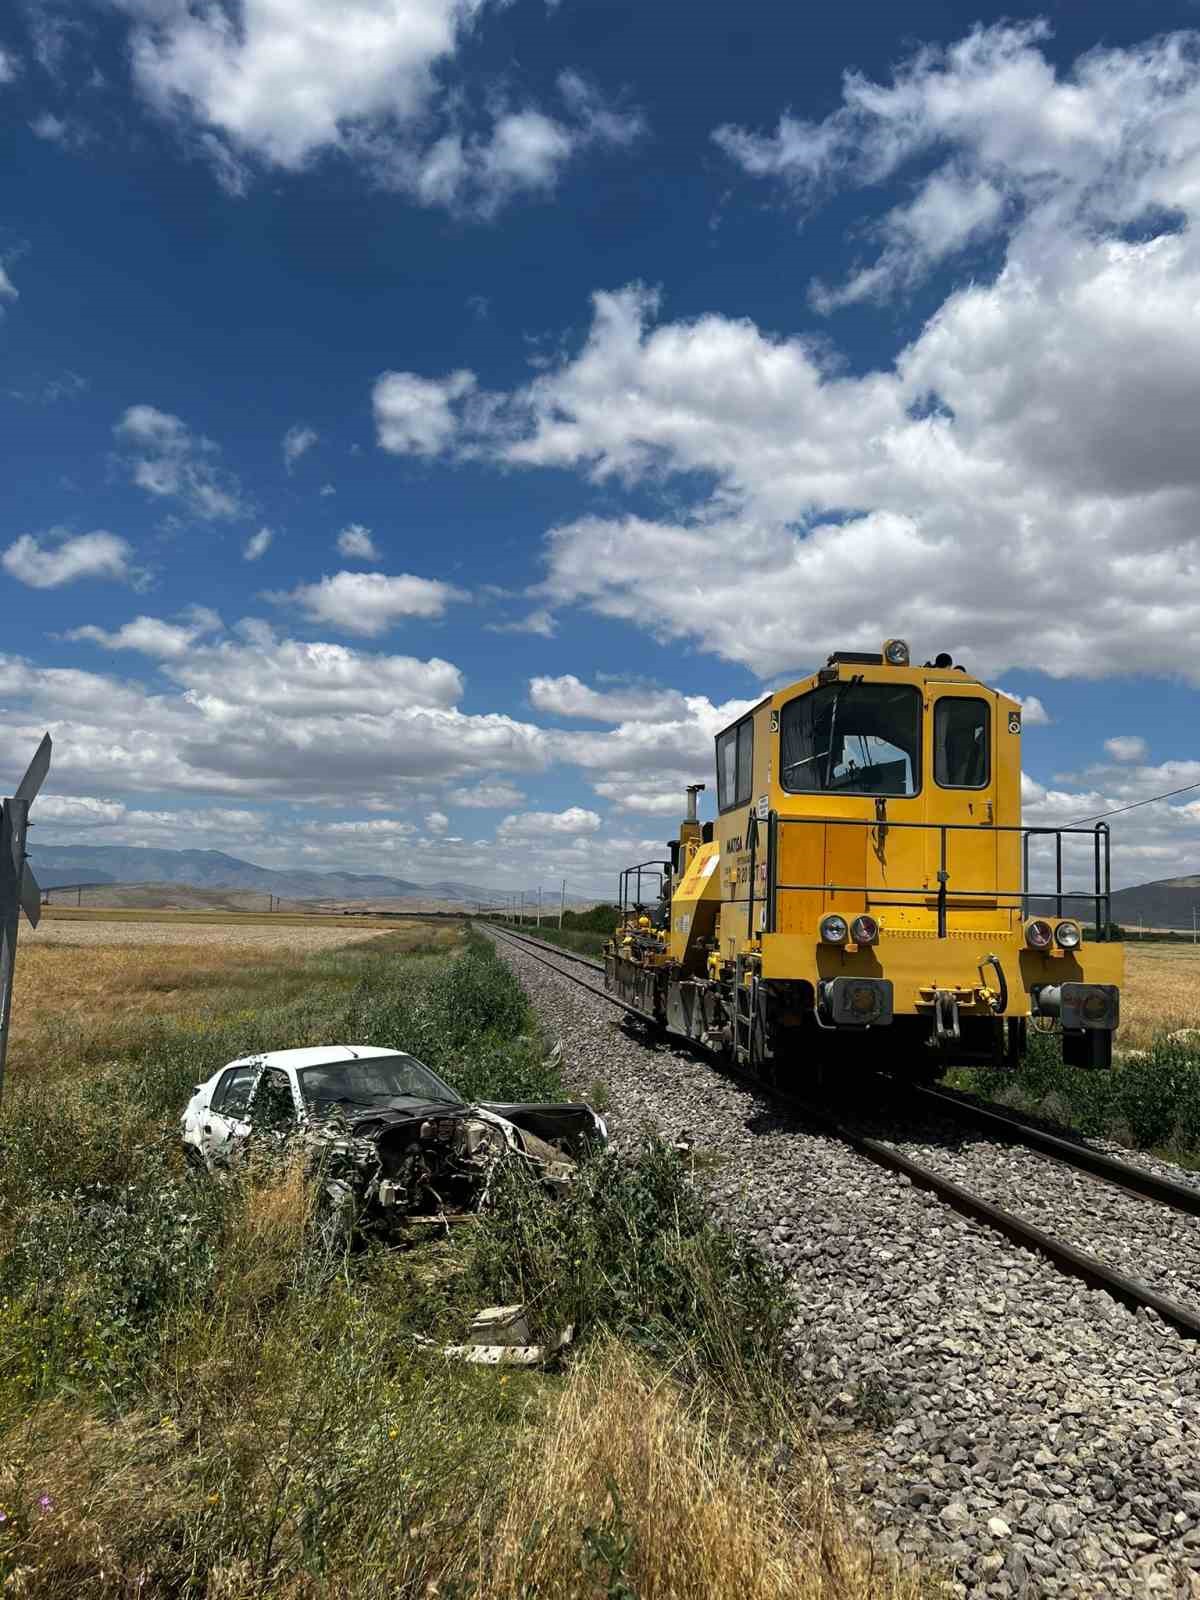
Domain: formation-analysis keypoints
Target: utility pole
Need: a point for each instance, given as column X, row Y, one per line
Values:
column 521, row 918
column 18, row 887
column 562, row 902
column 539, row 911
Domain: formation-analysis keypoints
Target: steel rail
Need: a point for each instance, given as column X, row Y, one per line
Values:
column 1120, row 1174
column 1131, row 1292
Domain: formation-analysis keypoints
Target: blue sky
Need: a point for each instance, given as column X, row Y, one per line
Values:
column 427, row 422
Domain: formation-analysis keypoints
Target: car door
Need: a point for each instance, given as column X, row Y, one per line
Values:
column 224, row 1122
column 273, row 1108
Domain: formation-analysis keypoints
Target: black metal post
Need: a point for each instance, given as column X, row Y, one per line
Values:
column 1058, row 874
column 943, row 875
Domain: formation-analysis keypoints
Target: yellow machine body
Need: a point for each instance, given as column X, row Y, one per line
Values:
column 868, row 886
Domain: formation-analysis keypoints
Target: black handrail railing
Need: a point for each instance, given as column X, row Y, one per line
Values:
column 1100, row 893
column 657, row 869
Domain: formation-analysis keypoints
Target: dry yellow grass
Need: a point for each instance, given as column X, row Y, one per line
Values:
column 694, row 1518
column 71, row 976
column 1161, row 992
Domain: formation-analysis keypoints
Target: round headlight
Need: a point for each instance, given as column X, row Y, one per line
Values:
column 1068, row 936
column 895, row 653
column 834, row 930
column 864, row 930
column 1038, row 934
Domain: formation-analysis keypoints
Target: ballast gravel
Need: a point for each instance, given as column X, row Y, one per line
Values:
column 990, row 1416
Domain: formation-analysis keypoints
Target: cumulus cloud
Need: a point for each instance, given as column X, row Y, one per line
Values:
column 296, row 441
column 1033, row 712
column 529, row 824
column 152, row 636
column 539, row 621
column 567, row 696
column 1043, row 410
column 369, row 603
column 414, row 415
column 65, row 558
column 170, row 462
column 257, row 544
column 355, row 542
column 285, row 84
column 1126, row 747
column 437, row 822
column 486, row 796
column 8, row 66
column 8, row 290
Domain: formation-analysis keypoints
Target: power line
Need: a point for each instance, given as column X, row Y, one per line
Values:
column 1149, row 801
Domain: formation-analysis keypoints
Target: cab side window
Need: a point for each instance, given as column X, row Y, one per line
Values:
column 735, row 765
column 232, row 1094
column 961, row 743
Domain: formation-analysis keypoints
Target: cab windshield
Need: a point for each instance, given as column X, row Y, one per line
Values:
column 852, row 738
column 373, row 1080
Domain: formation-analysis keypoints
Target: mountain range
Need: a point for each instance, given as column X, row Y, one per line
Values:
column 55, row 865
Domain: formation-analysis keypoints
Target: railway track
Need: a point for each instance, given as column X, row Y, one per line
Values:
column 1135, row 1181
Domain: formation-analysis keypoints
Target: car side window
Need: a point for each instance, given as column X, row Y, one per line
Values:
column 272, row 1106
column 232, row 1094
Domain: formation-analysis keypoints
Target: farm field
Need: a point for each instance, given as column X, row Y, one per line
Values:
column 195, row 1401
column 1162, row 992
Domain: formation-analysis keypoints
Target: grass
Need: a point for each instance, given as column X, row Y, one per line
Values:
column 281, row 919
column 584, row 941
column 1151, row 1098
column 195, row 1401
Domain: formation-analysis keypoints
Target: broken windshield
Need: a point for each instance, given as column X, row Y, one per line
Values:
column 371, row 1079
column 852, row 738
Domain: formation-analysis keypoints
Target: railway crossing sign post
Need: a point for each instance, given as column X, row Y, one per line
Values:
column 18, row 887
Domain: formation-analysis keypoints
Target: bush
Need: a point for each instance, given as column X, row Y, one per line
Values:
column 631, row 1249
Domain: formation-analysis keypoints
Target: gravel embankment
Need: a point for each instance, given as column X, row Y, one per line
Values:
column 997, row 1416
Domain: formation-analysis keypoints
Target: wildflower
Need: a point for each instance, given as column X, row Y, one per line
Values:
column 214, row 1499
column 46, row 1503
column 392, row 1432
column 3, row 1516
column 504, row 1379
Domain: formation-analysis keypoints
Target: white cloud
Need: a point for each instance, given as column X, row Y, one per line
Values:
column 326, row 490
column 1126, row 747
column 283, row 84
column 169, row 461
column 1033, row 712
column 153, row 636
column 369, row 603
column 257, row 544
column 530, row 824
column 414, row 415
column 486, row 796
column 8, row 66
column 78, row 810
column 1040, row 424
column 356, row 544
column 568, row 697
column 68, row 558
column 437, row 822
column 539, row 621
column 8, row 290
column 296, row 441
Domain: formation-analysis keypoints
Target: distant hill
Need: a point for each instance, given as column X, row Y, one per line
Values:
column 213, row 869
column 1166, row 903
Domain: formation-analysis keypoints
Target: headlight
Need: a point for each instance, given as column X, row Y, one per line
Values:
column 895, row 653
column 864, row 930
column 1038, row 934
column 1068, row 936
column 834, row 930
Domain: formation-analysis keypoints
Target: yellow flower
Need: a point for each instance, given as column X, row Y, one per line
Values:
column 214, row 1499
column 392, row 1433
column 504, row 1380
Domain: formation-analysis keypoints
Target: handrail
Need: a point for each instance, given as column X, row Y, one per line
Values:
column 1100, row 893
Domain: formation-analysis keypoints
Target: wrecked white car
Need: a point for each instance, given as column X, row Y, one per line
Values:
column 394, row 1143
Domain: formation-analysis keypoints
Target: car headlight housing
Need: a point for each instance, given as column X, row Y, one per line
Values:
column 1068, row 936
column 1039, row 935
column 834, row 929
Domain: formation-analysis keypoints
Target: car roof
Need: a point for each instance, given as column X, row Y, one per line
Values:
column 319, row 1055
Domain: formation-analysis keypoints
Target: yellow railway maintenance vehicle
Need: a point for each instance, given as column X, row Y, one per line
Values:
column 866, row 895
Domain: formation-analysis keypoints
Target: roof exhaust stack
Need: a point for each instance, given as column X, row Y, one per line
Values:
column 693, row 790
